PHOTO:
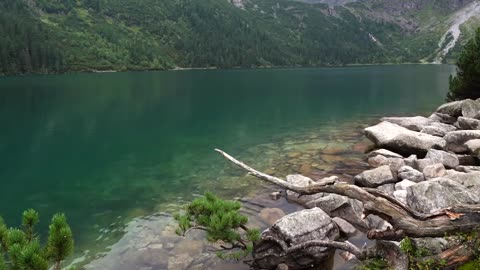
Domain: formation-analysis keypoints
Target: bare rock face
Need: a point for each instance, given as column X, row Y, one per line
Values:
column 415, row 123
column 294, row 229
column 456, row 140
column 409, row 173
column 448, row 160
column 434, row 171
column 376, row 177
column 402, row 140
column 436, row 194
column 466, row 123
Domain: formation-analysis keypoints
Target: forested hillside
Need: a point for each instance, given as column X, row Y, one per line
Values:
column 48, row 36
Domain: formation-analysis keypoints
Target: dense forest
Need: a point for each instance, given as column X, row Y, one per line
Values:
column 50, row 36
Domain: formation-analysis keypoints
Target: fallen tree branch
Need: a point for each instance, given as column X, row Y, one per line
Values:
column 405, row 221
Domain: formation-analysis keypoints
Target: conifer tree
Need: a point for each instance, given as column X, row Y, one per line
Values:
column 222, row 221
column 466, row 84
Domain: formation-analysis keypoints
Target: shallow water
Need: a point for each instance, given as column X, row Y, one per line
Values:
column 108, row 148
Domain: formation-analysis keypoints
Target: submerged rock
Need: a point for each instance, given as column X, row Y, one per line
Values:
column 294, row 229
column 402, row 140
column 436, row 194
column 271, row 215
column 415, row 123
column 376, row 177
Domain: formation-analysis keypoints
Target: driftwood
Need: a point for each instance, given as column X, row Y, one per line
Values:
column 405, row 221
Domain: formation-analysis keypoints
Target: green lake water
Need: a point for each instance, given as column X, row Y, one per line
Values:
column 107, row 148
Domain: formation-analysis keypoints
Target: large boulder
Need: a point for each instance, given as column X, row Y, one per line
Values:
column 449, row 160
column 436, row 194
column 438, row 129
column 294, row 229
column 466, row 123
column 456, row 139
column 415, row 123
column 453, row 109
column 470, row 180
column 402, row 140
column 473, row 146
column 376, row 177
column 409, row 173
column 443, row 118
column 470, row 108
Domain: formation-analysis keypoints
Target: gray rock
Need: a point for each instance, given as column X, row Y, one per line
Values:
column 467, row 169
column 345, row 227
column 384, row 152
column 410, row 161
column 449, row 160
column 275, row 195
column 300, row 180
column 473, row 146
column 387, row 189
column 436, row 194
column 401, row 195
column 376, row 177
column 282, row 266
column 453, row 109
column 402, row 140
column 433, row 245
column 456, row 139
column 465, row 123
column 403, row 185
column 470, row 180
column 443, row 118
column 409, row 173
column 377, row 161
column 470, row 108
column 294, row 229
column 438, row 129
column 434, row 171
column 415, row 123
column 468, row 160
column 394, row 163
column 420, row 164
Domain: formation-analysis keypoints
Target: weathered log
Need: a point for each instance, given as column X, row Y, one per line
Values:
column 405, row 221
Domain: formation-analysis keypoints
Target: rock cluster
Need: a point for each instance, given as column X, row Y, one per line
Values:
column 428, row 163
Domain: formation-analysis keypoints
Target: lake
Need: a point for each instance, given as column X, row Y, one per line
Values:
column 108, row 149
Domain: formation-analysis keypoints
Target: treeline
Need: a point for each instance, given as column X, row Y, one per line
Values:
column 77, row 35
column 25, row 44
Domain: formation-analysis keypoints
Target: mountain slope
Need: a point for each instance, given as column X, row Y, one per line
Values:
column 80, row 35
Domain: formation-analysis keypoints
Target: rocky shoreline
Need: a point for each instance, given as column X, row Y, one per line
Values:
column 427, row 163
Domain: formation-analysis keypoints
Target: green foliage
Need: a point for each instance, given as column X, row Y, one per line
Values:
column 372, row 264
column 50, row 36
column 466, row 84
column 60, row 240
column 21, row 249
column 472, row 265
column 222, row 221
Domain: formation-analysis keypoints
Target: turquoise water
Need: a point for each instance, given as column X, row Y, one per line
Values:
column 105, row 148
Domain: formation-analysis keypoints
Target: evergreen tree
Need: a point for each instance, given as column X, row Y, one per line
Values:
column 223, row 223
column 466, row 84
column 20, row 249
